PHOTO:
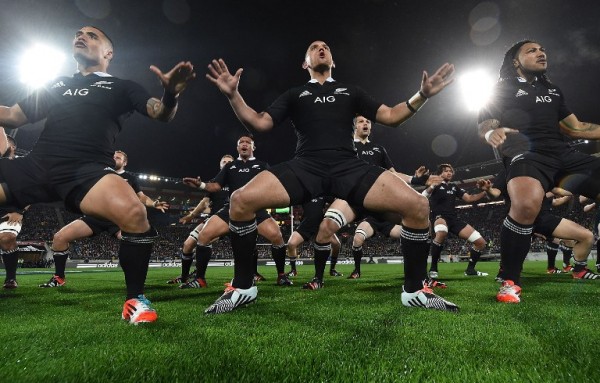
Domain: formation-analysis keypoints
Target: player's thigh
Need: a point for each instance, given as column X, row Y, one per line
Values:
column 391, row 194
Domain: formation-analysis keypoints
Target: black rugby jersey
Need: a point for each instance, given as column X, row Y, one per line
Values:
column 373, row 154
column 533, row 109
column 322, row 115
column 83, row 115
column 237, row 173
column 442, row 198
column 131, row 180
column 219, row 198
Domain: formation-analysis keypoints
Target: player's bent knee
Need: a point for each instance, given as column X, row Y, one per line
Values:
column 134, row 219
column 240, row 203
column 8, row 242
column 419, row 210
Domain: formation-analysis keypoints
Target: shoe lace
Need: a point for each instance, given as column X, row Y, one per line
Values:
column 228, row 287
column 508, row 288
column 426, row 289
column 144, row 301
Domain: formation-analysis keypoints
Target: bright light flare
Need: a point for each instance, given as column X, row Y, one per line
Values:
column 476, row 88
column 40, row 64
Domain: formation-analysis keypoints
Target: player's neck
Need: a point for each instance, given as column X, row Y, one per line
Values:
column 87, row 69
column 321, row 77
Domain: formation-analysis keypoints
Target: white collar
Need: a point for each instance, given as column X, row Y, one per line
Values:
column 100, row 74
column 329, row 79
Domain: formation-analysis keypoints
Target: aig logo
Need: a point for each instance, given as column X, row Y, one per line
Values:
column 76, row 92
column 324, row 99
column 246, row 170
column 543, row 99
column 368, row 152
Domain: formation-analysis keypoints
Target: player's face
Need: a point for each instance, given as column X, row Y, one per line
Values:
column 318, row 56
column 225, row 161
column 244, row 147
column 362, row 127
column 120, row 161
column 447, row 174
column 532, row 58
column 12, row 150
column 91, row 47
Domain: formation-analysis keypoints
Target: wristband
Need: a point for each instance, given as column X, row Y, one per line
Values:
column 202, row 186
column 422, row 95
column 488, row 134
column 416, row 102
column 155, row 203
column 419, row 181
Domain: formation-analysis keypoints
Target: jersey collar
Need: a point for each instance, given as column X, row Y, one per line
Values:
column 99, row 74
column 329, row 79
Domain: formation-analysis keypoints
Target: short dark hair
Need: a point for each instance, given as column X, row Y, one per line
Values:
column 250, row 136
column 112, row 45
column 442, row 167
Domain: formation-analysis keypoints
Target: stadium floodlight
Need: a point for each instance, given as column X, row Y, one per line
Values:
column 40, row 64
column 476, row 88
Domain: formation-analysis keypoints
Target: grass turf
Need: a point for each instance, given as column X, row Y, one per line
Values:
column 351, row 330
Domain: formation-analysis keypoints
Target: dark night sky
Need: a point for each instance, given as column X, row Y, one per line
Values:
column 380, row 45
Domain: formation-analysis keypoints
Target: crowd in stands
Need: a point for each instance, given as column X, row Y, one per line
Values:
column 42, row 221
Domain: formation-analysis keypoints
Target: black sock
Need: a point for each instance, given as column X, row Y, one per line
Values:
column 293, row 264
column 333, row 261
column 243, row 242
column 134, row 255
column 579, row 265
column 255, row 260
column 186, row 264
column 567, row 254
column 436, row 251
column 322, row 252
column 278, row 254
column 515, row 241
column 474, row 256
column 11, row 262
column 551, row 251
column 414, row 249
column 357, row 253
column 60, row 262
column 203, row 254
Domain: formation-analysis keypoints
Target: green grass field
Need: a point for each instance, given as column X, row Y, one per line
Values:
column 350, row 331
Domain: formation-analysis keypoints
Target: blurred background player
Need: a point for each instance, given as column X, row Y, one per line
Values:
column 11, row 224
column 88, row 226
column 235, row 175
column 214, row 202
column 312, row 215
column 444, row 219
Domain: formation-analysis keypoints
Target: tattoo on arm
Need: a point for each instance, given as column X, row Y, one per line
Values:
column 158, row 110
column 486, row 126
column 588, row 127
column 155, row 106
